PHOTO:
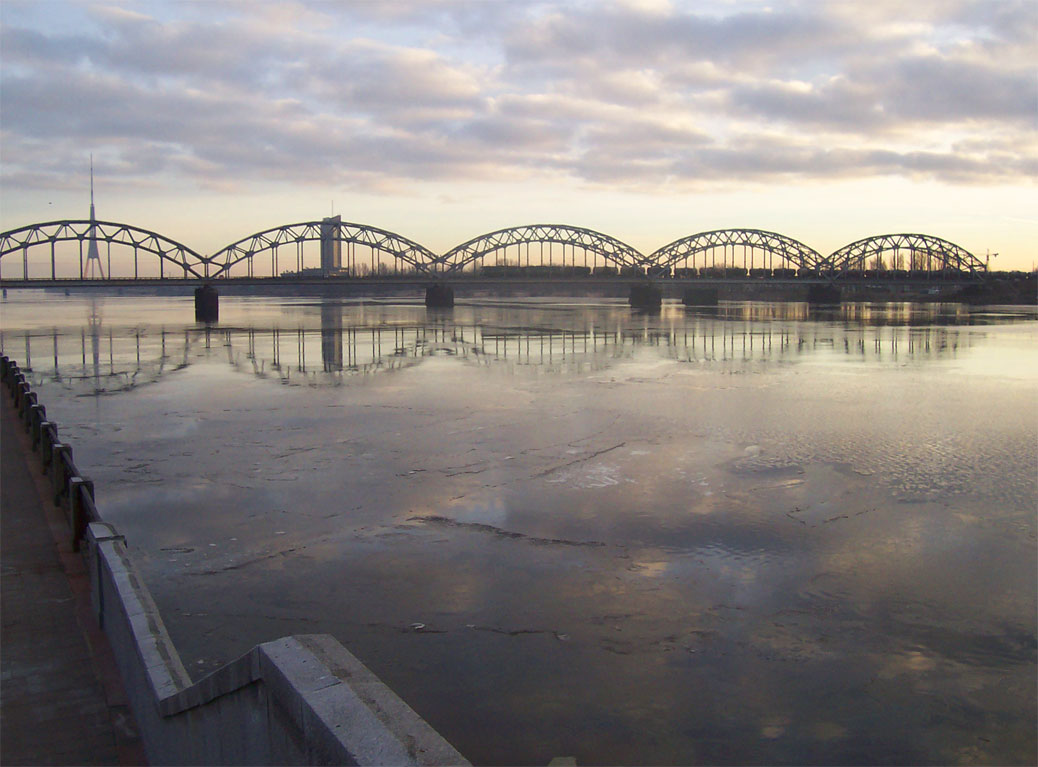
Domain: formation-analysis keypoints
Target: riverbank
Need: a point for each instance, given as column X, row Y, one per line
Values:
column 58, row 671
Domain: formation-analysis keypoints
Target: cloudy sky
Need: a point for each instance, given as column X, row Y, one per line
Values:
column 440, row 120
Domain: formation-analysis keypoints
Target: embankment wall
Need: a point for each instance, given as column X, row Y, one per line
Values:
column 297, row 700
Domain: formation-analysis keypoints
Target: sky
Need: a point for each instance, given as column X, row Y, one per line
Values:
column 440, row 120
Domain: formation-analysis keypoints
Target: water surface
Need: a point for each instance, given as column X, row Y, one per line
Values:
column 759, row 534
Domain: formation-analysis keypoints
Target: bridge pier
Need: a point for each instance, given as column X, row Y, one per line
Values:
column 645, row 296
column 700, row 296
column 439, row 296
column 823, row 294
column 207, row 304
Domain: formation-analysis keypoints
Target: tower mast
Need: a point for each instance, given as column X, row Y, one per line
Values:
column 93, row 257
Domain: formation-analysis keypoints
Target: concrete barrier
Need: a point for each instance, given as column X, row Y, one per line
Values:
column 297, row 700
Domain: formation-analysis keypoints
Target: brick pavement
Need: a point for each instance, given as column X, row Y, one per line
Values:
column 61, row 699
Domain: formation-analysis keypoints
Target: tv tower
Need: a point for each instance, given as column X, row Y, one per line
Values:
column 93, row 257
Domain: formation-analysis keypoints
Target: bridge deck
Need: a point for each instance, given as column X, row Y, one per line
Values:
column 422, row 280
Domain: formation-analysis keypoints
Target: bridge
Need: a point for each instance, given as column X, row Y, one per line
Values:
column 544, row 256
column 60, row 251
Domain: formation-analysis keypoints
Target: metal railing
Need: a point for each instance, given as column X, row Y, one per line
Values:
column 72, row 492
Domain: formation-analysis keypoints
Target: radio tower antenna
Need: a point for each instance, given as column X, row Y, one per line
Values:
column 93, row 257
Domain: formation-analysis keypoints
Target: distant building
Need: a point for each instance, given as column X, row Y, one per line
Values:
column 331, row 246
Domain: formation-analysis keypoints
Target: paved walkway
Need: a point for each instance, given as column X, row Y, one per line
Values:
column 61, row 699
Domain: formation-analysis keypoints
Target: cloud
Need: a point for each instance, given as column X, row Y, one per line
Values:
column 644, row 95
column 391, row 82
column 836, row 103
column 946, row 89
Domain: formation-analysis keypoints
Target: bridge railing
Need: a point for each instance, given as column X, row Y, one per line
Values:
column 71, row 492
column 296, row 700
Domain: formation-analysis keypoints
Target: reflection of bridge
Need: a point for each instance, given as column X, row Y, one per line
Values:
column 335, row 249
column 99, row 359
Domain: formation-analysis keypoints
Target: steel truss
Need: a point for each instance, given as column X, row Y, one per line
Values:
column 918, row 252
column 85, row 230
column 408, row 251
column 786, row 248
column 910, row 252
column 610, row 248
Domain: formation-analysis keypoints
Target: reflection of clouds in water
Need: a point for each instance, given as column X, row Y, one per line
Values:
column 912, row 663
column 176, row 429
column 589, row 477
column 642, row 366
column 738, row 562
column 492, row 512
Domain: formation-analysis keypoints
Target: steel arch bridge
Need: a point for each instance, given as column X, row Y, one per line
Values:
column 611, row 249
column 84, row 230
column 910, row 252
column 248, row 248
column 772, row 244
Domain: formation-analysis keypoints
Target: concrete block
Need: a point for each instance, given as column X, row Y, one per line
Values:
column 423, row 743
column 336, row 722
column 122, row 586
column 103, row 531
column 233, row 676
column 257, row 746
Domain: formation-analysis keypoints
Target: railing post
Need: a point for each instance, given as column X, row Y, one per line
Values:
column 48, row 438
column 78, row 488
column 25, row 411
column 58, row 479
column 37, row 417
column 19, row 390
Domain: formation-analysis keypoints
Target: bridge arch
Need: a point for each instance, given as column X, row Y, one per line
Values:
column 169, row 252
column 904, row 252
column 612, row 250
column 790, row 253
column 246, row 250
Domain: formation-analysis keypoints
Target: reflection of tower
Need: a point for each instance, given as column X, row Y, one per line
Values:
column 94, row 324
column 331, row 336
column 93, row 257
column 331, row 247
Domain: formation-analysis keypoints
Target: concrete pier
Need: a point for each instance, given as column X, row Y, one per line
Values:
column 439, row 296
column 823, row 295
column 645, row 296
column 207, row 304
column 700, row 296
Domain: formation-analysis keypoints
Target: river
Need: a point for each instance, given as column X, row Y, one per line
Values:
column 760, row 534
